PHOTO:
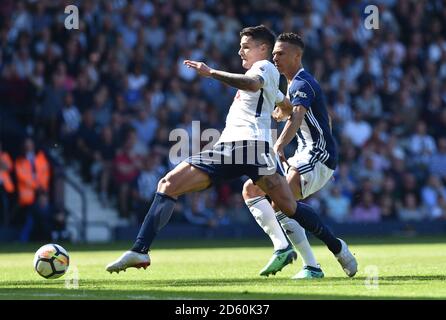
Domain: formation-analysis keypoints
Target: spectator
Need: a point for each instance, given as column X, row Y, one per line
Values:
column 239, row 212
column 126, row 166
column 386, row 91
column 337, row 205
column 199, row 210
column 357, row 131
column 422, row 145
column 387, row 207
column 101, row 107
column 145, row 126
column 366, row 210
column 39, row 221
column 52, row 104
column 369, row 172
column 87, row 144
column 342, row 110
column 409, row 210
column 369, row 103
column 437, row 163
column 137, row 80
column 7, row 187
column 344, row 179
column 221, row 217
column 389, row 189
column 24, row 64
column 146, row 183
column 69, row 126
column 431, row 194
column 33, row 173
column 440, row 211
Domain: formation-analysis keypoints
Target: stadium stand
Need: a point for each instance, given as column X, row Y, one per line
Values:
column 100, row 102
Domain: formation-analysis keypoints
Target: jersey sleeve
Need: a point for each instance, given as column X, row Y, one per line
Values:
column 301, row 93
column 260, row 68
column 280, row 96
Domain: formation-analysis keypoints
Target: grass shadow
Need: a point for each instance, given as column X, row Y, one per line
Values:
column 178, row 289
column 218, row 243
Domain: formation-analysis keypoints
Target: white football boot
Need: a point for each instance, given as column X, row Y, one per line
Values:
column 129, row 259
column 347, row 260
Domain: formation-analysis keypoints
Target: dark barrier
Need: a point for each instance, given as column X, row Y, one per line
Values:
column 252, row 230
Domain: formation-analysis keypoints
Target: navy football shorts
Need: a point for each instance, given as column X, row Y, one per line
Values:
column 231, row 160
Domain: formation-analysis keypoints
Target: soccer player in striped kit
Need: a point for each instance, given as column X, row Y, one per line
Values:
column 312, row 165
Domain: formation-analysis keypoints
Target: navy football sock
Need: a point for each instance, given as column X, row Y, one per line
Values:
column 310, row 220
column 158, row 216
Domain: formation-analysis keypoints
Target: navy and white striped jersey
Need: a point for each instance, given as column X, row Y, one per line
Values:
column 314, row 135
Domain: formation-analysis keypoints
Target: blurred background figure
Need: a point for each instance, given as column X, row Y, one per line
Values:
column 7, row 187
column 366, row 210
column 33, row 173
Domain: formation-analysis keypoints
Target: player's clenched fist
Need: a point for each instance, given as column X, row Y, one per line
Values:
column 200, row 67
column 280, row 115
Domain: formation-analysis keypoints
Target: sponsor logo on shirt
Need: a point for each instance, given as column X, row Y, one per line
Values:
column 300, row 94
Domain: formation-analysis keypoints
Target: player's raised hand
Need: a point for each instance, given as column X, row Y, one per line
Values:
column 200, row 67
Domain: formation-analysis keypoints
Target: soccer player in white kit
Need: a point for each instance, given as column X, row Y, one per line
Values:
column 243, row 149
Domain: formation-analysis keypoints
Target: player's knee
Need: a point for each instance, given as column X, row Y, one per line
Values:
column 250, row 190
column 165, row 185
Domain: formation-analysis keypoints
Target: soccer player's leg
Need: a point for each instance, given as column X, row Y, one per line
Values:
column 294, row 231
column 308, row 218
column 280, row 193
column 276, row 187
column 263, row 212
column 182, row 179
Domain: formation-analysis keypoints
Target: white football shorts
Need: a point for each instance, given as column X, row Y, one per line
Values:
column 315, row 175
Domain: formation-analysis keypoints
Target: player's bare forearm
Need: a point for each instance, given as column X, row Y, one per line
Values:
column 291, row 126
column 239, row 81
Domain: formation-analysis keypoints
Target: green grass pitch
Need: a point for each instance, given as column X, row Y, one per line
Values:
column 389, row 268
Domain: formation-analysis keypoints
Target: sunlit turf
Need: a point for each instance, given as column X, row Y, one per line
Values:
column 211, row 269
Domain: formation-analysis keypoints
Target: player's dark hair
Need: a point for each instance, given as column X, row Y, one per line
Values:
column 260, row 33
column 292, row 38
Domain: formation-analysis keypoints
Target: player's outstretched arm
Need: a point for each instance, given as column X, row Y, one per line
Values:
column 289, row 131
column 239, row 81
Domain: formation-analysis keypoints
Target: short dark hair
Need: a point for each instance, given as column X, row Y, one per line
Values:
column 292, row 38
column 260, row 33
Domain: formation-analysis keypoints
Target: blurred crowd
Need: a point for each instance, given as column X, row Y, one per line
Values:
column 107, row 95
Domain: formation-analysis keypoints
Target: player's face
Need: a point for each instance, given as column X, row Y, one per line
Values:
column 286, row 57
column 250, row 51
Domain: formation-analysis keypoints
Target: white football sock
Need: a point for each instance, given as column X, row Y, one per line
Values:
column 298, row 238
column 264, row 214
